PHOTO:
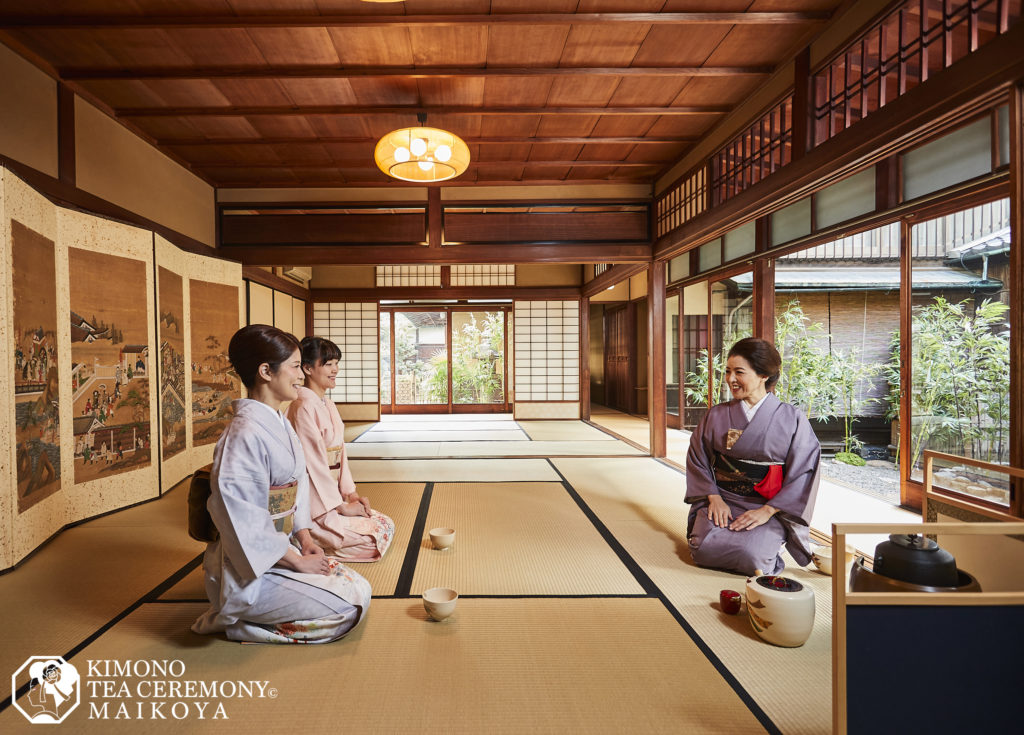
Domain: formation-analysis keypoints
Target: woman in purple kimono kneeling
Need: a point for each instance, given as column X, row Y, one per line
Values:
column 751, row 471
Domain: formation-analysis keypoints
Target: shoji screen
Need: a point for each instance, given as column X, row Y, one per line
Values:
column 547, row 359
column 353, row 327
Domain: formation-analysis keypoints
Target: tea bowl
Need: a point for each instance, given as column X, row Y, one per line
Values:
column 442, row 538
column 439, row 602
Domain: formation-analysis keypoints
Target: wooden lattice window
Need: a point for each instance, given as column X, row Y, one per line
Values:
column 682, row 202
column 764, row 147
column 914, row 41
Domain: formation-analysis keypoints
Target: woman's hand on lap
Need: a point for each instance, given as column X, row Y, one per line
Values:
column 753, row 518
column 354, row 508
column 718, row 511
column 307, row 545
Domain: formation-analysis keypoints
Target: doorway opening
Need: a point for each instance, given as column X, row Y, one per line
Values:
column 444, row 359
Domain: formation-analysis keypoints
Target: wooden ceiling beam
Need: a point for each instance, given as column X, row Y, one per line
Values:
column 348, row 254
column 610, row 277
column 347, row 72
column 388, row 183
column 93, row 22
column 361, row 164
column 343, row 110
column 535, row 293
column 581, row 140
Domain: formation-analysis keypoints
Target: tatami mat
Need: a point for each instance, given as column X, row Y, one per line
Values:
column 641, row 503
column 497, row 666
column 400, row 501
column 412, row 450
column 89, row 574
column 454, row 424
column 447, row 470
column 517, row 539
column 483, row 435
column 540, row 430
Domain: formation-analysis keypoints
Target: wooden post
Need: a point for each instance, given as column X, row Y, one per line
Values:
column 435, row 225
column 1016, row 288
column 910, row 495
column 66, row 171
column 585, row 358
column 656, row 411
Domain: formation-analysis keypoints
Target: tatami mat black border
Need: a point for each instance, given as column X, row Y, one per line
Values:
column 649, row 586
column 412, row 552
column 150, row 596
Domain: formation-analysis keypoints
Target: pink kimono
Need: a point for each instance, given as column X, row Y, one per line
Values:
column 322, row 433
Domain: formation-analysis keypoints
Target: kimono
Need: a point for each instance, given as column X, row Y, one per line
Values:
column 322, row 433
column 259, row 500
column 721, row 448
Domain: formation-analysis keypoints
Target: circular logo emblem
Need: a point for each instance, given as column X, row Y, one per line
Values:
column 53, row 689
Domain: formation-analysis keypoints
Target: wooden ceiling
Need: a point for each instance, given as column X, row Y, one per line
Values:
column 259, row 93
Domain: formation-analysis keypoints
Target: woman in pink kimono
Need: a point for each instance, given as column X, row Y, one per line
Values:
column 267, row 579
column 751, row 471
column 343, row 521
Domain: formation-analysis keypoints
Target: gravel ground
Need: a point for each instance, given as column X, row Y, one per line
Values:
column 877, row 478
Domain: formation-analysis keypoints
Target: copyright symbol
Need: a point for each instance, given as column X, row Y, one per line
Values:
column 272, row 693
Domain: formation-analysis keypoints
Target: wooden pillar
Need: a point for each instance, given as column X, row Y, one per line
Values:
column 585, row 358
column 656, row 411
column 802, row 104
column 910, row 493
column 629, row 401
column 1016, row 289
column 435, row 225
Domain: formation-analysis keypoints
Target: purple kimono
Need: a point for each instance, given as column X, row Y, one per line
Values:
column 779, row 433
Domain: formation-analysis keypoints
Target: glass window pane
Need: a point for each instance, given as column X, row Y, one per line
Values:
column 672, row 354
column 478, row 365
column 385, row 358
column 710, row 255
column 846, row 199
column 732, row 319
column 958, row 156
column 960, row 349
column 791, row 222
column 741, row 241
column 421, row 358
column 695, row 353
column 679, row 267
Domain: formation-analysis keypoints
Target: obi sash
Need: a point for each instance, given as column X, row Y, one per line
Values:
column 282, row 496
column 748, row 478
column 334, row 457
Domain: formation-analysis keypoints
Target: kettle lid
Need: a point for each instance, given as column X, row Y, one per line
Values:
column 913, row 541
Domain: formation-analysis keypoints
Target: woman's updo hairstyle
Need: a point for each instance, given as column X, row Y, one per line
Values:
column 256, row 344
column 317, row 351
column 762, row 356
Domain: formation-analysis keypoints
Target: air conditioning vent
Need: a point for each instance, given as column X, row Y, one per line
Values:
column 299, row 274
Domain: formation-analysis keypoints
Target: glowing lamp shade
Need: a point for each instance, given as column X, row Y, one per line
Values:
column 422, row 154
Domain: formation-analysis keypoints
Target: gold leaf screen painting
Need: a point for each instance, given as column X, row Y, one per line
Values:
column 171, row 337
column 110, row 364
column 213, row 313
column 36, row 432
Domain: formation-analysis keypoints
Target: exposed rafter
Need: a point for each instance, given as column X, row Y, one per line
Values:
column 347, row 72
column 90, row 22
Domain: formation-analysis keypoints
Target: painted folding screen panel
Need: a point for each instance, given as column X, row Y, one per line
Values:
column 36, row 429
column 172, row 363
column 111, row 364
column 214, row 316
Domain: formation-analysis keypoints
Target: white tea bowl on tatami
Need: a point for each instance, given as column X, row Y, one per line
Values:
column 439, row 602
column 442, row 538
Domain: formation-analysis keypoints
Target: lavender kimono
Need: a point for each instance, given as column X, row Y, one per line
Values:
column 778, row 433
column 250, row 598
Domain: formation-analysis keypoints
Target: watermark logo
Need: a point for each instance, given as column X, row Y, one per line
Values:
column 54, row 689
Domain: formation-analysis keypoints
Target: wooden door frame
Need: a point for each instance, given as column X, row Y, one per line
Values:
column 450, row 407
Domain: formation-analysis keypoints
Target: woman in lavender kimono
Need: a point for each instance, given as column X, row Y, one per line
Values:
column 267, row 579
column 343, row 522
column 751, row 471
